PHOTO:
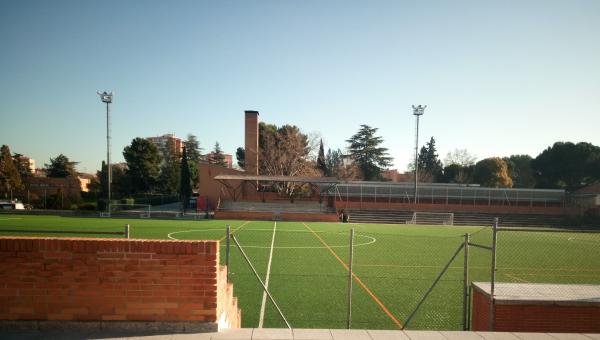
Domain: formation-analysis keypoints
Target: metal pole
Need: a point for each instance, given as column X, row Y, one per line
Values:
column 466, row 284
column 350, row 273
column 417, row 161
column 417, row 111
column 227, row 247
column 108, row 167
column 260, row 280
column 493, row 275
column 127, row 231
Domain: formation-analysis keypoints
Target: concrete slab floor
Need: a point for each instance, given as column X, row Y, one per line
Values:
column 298, row 334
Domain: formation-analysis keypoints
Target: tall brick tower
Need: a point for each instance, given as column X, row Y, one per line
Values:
column 251, row 141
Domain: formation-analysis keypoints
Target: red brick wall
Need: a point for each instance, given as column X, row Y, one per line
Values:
column 456, row 207
column 267, row 216
column 480, row 311
column 535, row 318
column 78, row 279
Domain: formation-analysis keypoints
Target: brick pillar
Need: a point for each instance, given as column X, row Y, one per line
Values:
column 251, row 147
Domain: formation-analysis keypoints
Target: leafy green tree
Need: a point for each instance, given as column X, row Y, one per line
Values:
column 185, row 186
column 519, row 169
column 61, row 166
column 321, row 163
column 565, row 165
column 240, row 155
column 365, row 150
column 143, row 165
column 430, row 167
column 217, row 156
column 492, row 172
column 9, row 174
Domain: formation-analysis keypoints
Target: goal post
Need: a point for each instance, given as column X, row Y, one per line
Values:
column 144, row 210
column 419, row 217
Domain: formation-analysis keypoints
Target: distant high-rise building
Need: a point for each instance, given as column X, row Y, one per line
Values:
column 162, row 142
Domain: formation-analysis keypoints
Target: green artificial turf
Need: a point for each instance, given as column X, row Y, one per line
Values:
column 395, row 265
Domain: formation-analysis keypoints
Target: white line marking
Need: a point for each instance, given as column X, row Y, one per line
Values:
column 264, row 297
column 10, row 218
column 370, row 239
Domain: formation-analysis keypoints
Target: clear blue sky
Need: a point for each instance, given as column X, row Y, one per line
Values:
column 499, row 77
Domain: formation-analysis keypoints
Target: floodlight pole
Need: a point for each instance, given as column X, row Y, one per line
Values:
column 106, row 97
column 417, row 112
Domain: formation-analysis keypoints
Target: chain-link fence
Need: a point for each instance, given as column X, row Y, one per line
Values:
column 406, row 278
column 383, row 277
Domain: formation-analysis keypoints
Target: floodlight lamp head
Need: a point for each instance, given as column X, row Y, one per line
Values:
column 106, row 97
column 419, row 110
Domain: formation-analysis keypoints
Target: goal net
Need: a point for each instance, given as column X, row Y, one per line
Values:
column 432, row 218
column 143, row 210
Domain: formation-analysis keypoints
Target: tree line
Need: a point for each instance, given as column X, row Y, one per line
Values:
column 564, row 165
column 287, row 151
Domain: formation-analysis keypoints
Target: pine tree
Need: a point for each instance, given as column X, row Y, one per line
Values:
column 321, row 164
column 240, row 155
column 185, row 187
column 430, row 166
column 61, row 166
column 366, row 151
column 218, row 157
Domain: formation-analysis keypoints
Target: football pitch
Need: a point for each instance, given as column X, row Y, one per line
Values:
column 397, row 268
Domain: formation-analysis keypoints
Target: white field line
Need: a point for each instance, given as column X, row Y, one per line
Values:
column 264, row 297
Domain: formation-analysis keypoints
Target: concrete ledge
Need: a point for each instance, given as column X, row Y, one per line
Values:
column 112, row 326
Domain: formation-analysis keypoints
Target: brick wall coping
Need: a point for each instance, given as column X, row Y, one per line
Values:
column 542, row 293
column 86, row 245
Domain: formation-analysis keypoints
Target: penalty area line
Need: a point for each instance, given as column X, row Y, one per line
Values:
column 264, row 297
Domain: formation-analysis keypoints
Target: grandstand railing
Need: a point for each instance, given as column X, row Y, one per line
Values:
column 442, row 193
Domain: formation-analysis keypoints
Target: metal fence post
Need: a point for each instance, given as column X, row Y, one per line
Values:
column 493, row 275
column 227, row 247
column 127, row 231
column 466, row 310
column 349, row 315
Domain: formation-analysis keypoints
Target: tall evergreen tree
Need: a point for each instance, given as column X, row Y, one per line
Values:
column 185, row 186
column 9, row 174
column 365, row 150
column 321, row 164
column 168, row 179
column 218, row 157
column 194, row 152
column 61, row 166
column 240, row 155
column 430, row 167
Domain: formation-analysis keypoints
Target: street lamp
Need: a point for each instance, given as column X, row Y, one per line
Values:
column 106, row 97
column 417, row 112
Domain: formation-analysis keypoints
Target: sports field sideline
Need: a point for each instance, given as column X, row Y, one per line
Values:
column 305, row 265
